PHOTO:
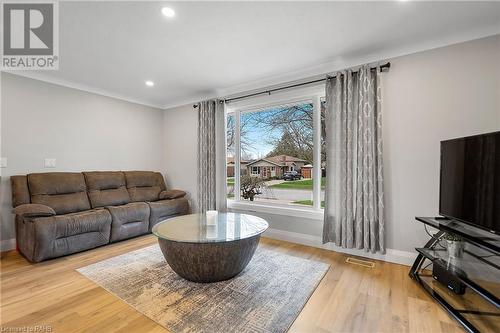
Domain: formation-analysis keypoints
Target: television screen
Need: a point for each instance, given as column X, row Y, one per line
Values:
column 470, row 180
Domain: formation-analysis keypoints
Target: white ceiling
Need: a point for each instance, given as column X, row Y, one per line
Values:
column 220, row 48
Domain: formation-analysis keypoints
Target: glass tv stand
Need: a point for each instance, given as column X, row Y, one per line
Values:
column 478, row 309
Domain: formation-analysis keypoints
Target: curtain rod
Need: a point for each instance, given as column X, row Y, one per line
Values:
column 269, row 91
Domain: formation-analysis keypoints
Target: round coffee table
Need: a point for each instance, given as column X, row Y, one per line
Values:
column 209, row 247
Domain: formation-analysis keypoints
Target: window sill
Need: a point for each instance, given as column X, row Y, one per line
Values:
column 308, row 213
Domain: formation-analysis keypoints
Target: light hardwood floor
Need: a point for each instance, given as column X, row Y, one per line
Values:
column 350, row 298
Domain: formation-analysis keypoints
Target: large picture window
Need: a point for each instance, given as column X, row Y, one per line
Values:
column 279, row 149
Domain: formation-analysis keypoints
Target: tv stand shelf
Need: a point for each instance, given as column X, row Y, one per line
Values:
column 478, row 309
column 471, row 234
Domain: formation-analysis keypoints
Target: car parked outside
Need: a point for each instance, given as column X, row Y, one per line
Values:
column 292, row 175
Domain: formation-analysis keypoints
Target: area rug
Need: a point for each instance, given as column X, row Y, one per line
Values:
column 266, row 297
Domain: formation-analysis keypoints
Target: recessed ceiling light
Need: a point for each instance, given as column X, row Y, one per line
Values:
column 168, row 12
column 150, row 83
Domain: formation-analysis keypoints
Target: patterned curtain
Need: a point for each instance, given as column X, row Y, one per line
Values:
column 354, row 195
column 211, row 156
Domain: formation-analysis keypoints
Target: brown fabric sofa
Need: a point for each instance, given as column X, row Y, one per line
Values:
column 60, row 213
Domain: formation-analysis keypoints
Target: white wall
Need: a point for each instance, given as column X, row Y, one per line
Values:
column 180, row 145
column 83, row 131
column 429, row 96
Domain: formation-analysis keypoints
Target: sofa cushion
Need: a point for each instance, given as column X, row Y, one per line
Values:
column 65, row 192
column 20, row 190
column 144, row 185
column 164, row 209
column 106, row 188
column 65, row 234
column 129, row 220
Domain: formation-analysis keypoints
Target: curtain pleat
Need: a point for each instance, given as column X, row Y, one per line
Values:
column 354, row 202
column 211, row 156
column 220, row 162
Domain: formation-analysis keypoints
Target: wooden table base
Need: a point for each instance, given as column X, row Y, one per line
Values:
column 209, row 262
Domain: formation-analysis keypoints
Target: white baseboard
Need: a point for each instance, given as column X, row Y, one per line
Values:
column 7, row 244
column 391, row 255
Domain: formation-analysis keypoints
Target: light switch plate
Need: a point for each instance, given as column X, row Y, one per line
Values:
column 50, row 163
column 3, row 162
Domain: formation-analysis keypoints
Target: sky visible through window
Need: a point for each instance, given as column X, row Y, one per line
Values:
column 259, row 136
column 263, row 131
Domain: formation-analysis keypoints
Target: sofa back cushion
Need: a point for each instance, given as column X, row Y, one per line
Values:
column 106, row 188
column 144, row 185
column 20, row 190
column 65, row 192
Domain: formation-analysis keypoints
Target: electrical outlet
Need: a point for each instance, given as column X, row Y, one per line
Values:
column 50, row 163
column 3, row 162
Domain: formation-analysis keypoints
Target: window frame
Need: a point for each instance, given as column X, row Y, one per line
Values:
column 311, row 94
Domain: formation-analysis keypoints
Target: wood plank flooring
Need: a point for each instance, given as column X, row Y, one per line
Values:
column 350, row 298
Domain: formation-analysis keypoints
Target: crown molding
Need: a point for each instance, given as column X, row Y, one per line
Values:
column 82, row 87
column 191, row 100
column 317, row 71
column 347, row 62
column 281, row 79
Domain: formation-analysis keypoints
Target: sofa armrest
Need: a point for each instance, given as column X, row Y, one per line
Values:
column 172, row 194
column 33, row 210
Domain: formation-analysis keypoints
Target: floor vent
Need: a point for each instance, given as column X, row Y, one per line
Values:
column 360, row 262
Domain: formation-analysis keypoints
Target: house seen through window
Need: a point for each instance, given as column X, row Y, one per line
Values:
column 276, row 153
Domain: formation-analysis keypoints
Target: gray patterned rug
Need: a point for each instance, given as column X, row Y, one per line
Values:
column 266, row 297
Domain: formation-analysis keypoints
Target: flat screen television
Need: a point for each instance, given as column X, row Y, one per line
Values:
column 470, row 180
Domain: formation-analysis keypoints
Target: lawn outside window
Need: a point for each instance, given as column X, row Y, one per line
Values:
column 274, row 151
